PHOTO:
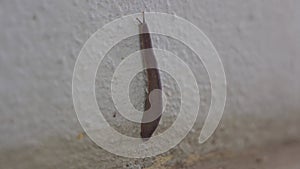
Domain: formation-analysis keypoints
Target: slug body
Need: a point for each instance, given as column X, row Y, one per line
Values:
column 153, row 103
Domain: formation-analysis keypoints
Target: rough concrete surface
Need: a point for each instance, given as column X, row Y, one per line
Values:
column 258, row 42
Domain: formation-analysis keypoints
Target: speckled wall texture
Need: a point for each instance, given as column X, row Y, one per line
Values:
column 258, row 42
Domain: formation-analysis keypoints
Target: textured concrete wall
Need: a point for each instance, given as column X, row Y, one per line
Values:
column 258, row 42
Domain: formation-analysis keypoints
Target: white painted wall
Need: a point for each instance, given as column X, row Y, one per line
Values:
column 258, row 42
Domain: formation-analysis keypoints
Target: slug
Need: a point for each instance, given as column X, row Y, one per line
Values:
column 153, row 107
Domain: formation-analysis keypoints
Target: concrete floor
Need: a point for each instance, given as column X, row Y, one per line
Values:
column 282, row 156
